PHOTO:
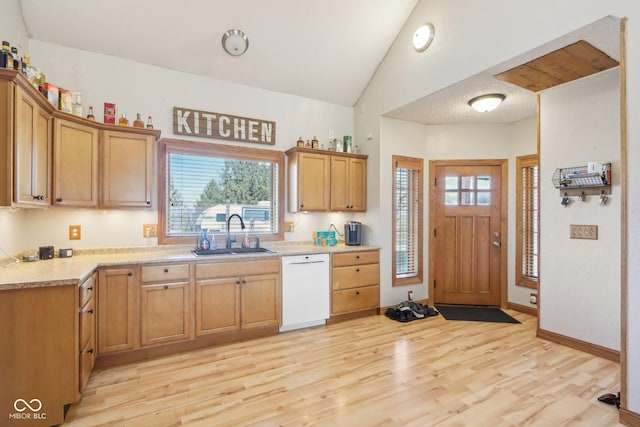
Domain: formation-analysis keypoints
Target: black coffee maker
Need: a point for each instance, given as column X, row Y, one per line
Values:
column 353, row 233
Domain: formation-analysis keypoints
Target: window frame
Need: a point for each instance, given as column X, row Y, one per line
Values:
column 168, row 146
column 526, row 162
column 416, row 164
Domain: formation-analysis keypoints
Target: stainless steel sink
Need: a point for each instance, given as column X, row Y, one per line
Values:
column 231, row 251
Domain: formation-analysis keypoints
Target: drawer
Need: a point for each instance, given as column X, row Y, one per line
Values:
column 87, row 360
column 356, row 258
column 355, row 276
column 86, row 291
column 350, row 300
column 164, row 273
column 87, row 322
column 248, row 267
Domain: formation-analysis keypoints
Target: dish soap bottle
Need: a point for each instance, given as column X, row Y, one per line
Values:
column 205, row 244
column 247, row 242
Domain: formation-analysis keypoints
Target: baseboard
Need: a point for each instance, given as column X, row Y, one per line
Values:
column 337, row 318
column 533, row 311
column 596, row 350
column 629, row 418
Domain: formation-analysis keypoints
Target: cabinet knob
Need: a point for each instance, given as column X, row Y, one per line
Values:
column 357, row 292
column 148, row 202
column 302, row 206
column 39, row 197
column 130, row 274
column 90, row 288
column 166, row 270
column 244, row 281
column 166, row 286
column 90, row 311
column 357, row 270
column 238, row 282
column 59, row 200
column 90, row 351
column 357, row 256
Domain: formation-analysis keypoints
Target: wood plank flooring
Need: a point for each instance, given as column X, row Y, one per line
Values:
column 363, row 372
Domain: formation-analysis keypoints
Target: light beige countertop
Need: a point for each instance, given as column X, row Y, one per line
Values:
column 76, row 269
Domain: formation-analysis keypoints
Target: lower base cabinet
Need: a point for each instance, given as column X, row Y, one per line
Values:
column 118, row 324
column 228, row 299
column 355, row 282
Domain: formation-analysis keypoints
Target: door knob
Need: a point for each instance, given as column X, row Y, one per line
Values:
column 496, row 244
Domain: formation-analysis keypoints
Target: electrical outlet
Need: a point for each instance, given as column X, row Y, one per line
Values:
column 288, row 226
column 75, row 232
column 583, row 232
column 533, row 299
column 149, row 230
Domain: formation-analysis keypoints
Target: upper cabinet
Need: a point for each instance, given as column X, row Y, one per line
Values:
column 75, row 164
column 127, row 162
column 31, row 151
column 324, row 181
column 55, row 158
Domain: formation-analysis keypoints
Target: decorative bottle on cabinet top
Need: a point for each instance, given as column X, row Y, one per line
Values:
column 149, row 123
column 123, row 121
column 90, row 116
column 138, row 123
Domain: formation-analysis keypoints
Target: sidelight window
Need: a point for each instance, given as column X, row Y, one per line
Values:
column 202, row 184
column 407, row 220
column 527, row 221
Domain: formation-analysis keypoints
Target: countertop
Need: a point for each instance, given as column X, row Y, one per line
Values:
column 76, row 269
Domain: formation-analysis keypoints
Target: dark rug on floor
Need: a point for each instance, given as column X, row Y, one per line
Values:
column 474, row 313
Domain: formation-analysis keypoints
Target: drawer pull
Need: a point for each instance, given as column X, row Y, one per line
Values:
column 238, row 282
column 130, row 274
column 90, row 288
column 166, row 270
column 357, row 270
column 90, row 311
column 244, row 281
column 357, row 256
column 166, row 286
column 357, row 292
column 90, row 351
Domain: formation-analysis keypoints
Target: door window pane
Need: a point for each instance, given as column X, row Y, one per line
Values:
column 484, row 183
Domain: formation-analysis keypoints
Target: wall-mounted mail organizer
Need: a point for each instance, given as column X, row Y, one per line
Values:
column 592, row 179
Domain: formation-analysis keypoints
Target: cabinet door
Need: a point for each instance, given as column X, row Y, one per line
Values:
column 260, row 301
column 32, row 151
column 339, row 183
column 127, row 169
column 313, row 182
column 75, row 164
column 357, row 185
column 217, row 306
column 117, row 310
column 164, row 313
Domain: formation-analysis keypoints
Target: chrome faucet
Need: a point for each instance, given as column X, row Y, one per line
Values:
column 229, row 232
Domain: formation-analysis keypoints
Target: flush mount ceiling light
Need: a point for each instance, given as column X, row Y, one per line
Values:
column 486, row 103
column 423, row 37
column 235, row 42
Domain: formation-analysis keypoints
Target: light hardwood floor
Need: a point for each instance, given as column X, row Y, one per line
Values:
column 365, row 372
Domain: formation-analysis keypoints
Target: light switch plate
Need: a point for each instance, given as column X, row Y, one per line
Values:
column 149, row 230
column 583, row 232
column 288, row 226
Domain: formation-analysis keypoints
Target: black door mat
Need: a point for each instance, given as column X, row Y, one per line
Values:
column 475, row 313
column 407, row 311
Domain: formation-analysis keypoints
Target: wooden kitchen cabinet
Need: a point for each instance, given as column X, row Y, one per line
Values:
column 165, row 304
column 355, row 282
column 348, row 184
column 118, row 324
column 127, row 169
column 325, row 181
column 32, row 151
column 309, row 180
column 75, row 164
column 229, row 298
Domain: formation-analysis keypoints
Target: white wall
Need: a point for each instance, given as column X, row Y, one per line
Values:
column 474, row 36
column 154, row 91
column 444, row 142
column 579, row 285
column 12, row 28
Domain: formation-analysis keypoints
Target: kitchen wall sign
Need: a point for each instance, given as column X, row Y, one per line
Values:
column 223, row 126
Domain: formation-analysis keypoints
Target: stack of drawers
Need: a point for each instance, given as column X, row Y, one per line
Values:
column 87, row 306
column 355, row 282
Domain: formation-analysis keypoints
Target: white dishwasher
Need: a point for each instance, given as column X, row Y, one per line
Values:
column 305, row 291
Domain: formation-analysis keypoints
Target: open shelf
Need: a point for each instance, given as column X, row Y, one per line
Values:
column 583, row 180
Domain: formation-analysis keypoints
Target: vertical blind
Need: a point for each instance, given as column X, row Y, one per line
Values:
column 527, row 221
column 407, row 220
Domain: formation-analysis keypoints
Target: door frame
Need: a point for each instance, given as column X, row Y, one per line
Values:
column 504, row 203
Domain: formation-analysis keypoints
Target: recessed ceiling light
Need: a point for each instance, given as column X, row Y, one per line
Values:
column 486, row 103
column 235, row 42
column 423, row 37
